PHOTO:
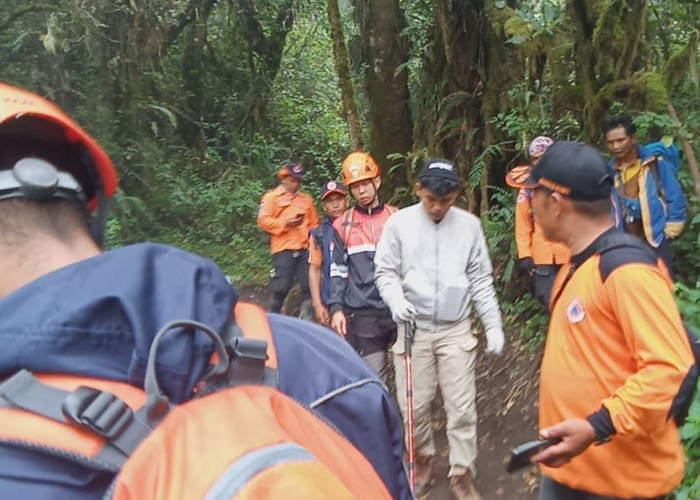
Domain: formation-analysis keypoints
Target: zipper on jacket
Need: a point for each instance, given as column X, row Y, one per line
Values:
column 435, row 295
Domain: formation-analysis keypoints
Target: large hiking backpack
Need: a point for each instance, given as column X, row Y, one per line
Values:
column 667, row 150
column 239, row 437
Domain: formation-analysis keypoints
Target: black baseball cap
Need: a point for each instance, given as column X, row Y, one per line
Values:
column 331, row 187
column 291, row 170
column 439, row 176
column 574, row 169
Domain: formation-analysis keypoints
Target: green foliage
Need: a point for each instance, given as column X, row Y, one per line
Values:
column 689, row 304
column 526, row 316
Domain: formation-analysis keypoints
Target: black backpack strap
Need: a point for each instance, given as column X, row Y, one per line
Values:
column 616, row 249
column 250, row 349
column 318, row 234
column 101, row 412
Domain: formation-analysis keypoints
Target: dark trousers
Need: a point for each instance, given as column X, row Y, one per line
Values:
column 552, row 490
column 288, row 265
column 542, row 282
column 371, row 333
column 665, row 253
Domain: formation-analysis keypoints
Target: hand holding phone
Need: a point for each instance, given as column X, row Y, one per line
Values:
column 295, row 220
column 520, row 455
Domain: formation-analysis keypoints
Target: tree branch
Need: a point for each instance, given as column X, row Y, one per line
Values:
column 23, row 11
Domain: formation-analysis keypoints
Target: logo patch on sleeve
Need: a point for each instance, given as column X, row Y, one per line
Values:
column 575, row 311
column 521, row 197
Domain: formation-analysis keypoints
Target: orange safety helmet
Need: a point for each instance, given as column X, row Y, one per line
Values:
column 359, row 166
column 24, row 113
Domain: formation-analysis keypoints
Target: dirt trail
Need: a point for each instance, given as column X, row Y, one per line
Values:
column 507, row 408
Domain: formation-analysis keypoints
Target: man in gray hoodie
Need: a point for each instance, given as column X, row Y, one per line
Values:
column 431, row 266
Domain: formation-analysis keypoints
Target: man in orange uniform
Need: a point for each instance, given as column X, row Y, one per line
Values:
column 288, row 215
column 617, row 359
column 537, row 256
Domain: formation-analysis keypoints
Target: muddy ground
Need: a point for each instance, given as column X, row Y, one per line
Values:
column 507, row 408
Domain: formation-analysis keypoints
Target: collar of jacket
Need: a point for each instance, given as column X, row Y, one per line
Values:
column 643, row 156
column 366, row 210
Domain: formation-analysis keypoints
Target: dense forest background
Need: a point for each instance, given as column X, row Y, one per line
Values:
column 200, row 101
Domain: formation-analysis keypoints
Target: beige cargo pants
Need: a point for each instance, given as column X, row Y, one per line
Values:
column 446, row 359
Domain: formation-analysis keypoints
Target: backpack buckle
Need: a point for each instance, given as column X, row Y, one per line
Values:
column 100, row 411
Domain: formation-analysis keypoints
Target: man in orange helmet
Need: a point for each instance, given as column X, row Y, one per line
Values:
column 71, row 310
column 357, row 311
column 288, row 215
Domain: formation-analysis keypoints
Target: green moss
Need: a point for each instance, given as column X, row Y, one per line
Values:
column 653, row 86
column 499, row 17
column 678, row 65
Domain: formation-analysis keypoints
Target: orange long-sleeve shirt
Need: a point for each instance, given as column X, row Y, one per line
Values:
column 616, row 339
column 530, row 239
column 275, row 207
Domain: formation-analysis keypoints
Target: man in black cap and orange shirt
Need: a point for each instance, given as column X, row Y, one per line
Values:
column 334, row 201
column 617, row 361
column 432, row 266
column 288, row 215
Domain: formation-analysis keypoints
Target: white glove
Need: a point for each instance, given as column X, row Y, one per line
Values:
column 403, row 311
column 494, row 341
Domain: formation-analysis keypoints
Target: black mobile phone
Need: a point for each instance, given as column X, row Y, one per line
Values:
column 520, row 455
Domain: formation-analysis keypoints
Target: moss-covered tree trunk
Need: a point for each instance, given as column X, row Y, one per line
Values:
column 190, row 124
column 265, row 49
column 607, row 34
column 462, row 48
column 387, row 85
column 342, row 67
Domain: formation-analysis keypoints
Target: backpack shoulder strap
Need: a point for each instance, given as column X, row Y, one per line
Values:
column 617, row 249
column 653, row 163
column 318, row 234
column 347, row 224
column 253, row 324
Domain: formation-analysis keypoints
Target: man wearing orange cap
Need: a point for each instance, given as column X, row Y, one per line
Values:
column 334, row 200
column 537, row 256
column 288, row 215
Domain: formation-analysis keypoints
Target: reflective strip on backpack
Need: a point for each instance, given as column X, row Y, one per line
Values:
column 238, row 474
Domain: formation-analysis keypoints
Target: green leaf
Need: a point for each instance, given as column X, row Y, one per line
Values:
column 517, row 40
column 169, row 114
column 500, row 4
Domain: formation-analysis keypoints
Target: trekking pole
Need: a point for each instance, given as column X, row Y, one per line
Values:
column 409, row 328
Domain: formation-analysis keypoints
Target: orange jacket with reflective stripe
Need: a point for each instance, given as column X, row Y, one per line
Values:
column 616, row 339
column 529, row 236
column 275, row 207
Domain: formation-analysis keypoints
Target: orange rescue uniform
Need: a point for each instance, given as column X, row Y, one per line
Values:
column 530, row 239
column 618, row 342
column 275, row 207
